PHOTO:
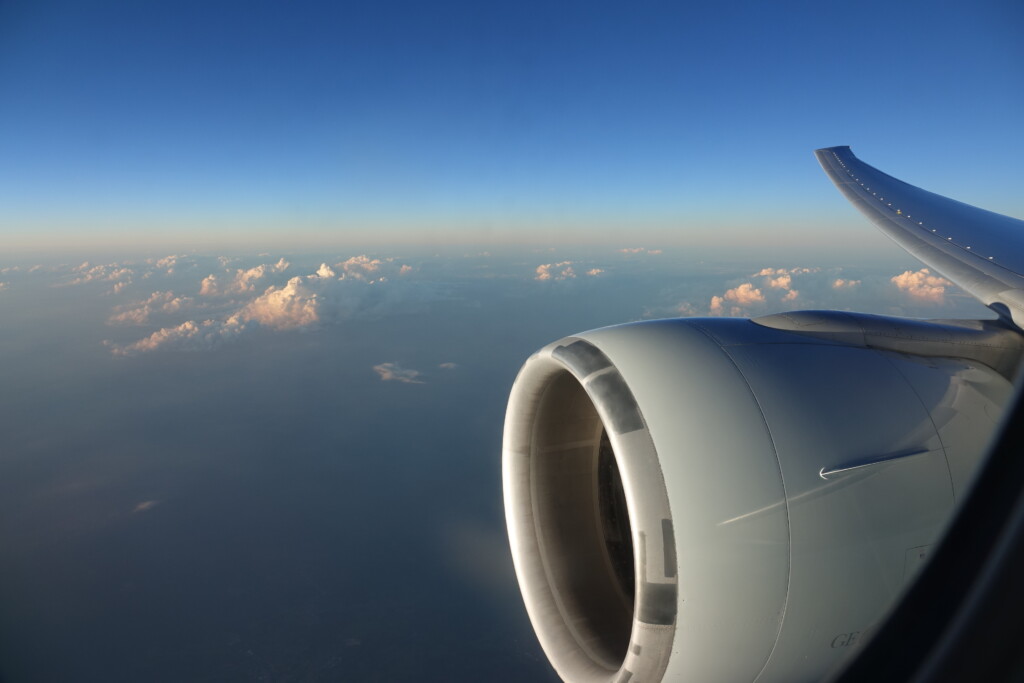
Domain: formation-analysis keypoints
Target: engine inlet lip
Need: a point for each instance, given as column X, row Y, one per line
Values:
column 652, row 621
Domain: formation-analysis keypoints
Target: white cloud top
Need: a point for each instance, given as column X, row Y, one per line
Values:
column 284, row 308
column 325, row 272
column 360, row 266
column 555, row 271
column 922, row 285
column 744, row 295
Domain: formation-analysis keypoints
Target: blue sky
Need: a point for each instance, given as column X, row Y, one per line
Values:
column 216, row 123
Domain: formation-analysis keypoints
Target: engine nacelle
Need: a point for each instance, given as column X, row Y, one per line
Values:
column 721, row 500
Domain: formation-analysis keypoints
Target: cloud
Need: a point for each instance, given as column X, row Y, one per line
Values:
column 392, row 372
column 3, row 286
column 138, row 313
column 448, row 366
column 188, row 336
column 304, row 301
column 145, row 505
column 687, row 310
column 781, row 282
column 555, row 271
column 594, row 271
column 111, row 272
column 360, row 266
column 245, row 280
column 168, row 263
column 791, row 295
column 208, row 287
column 840, row 283
column 768, row 272
column 654, row 252
column 744, row 295
column 922, row 285
column 283, row 308
column 405, row 270
column 325, row 272
column 631, row 250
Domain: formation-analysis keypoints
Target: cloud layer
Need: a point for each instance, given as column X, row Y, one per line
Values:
column 249, row 298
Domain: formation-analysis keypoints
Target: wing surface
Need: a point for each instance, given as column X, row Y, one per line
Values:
column 981, row 251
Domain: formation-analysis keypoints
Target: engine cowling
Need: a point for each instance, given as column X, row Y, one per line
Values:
column 722, row 500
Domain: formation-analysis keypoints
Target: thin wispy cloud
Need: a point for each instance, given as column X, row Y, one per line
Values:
column 393, row 372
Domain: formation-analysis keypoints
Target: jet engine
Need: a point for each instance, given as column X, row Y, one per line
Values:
column 737, row 500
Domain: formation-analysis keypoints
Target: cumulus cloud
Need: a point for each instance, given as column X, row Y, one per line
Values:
column 654, row 252
column 791, row 295
column 840, row 283
column 448, row 366
column 744, row 295
column 168, row 263
column 360, row 267
column 393, row 372
column 138, row 313
column 324, row 271
column 111, row 272
column 781, row 282
column 283, row 308
column 594, row 271
column 555, row 271
column 245, row 280
column 405, row 270
column 188, row 336
column 302, row 302
column 922, row 285
column 208, row 287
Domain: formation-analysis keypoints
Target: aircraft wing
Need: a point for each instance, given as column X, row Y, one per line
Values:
column 981, row 251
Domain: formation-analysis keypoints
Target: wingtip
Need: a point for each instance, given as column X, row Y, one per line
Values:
column 837, row 148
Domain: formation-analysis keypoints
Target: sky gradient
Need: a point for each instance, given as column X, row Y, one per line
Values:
column 200, row 124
